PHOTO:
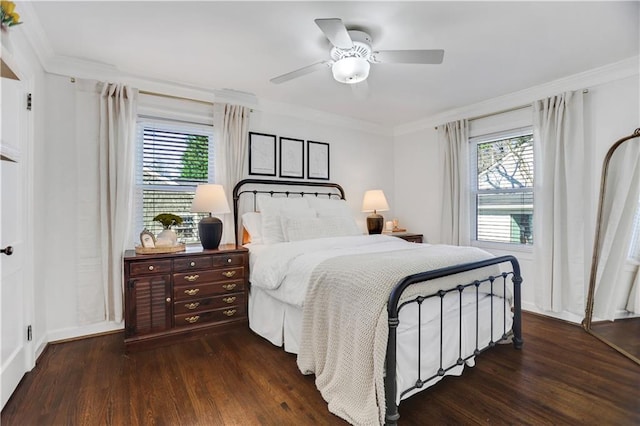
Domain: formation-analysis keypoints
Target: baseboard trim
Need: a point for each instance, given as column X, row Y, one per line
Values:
column 92, row 330
column 565, row 316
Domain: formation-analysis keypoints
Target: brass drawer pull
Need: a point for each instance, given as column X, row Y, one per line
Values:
column 229, row 299
column 229, row 286
column 230, row 312
column 192, row 319
column 191, row 278
column 192, row 306
column 192, row 291
column 229, row 274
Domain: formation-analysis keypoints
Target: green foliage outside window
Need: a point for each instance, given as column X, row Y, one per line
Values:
column 195, row 160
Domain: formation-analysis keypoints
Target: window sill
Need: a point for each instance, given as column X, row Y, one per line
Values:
column 502, row 246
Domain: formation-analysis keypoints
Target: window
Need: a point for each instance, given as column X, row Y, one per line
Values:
column 171, row 161
column 502, row 187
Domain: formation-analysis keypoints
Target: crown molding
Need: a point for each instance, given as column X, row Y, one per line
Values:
column 35, row 35
column 92, row 70
column 309, row 114
column 79, row 68
column 616, row 71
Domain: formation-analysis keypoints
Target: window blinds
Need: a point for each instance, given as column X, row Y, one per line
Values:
column 172, row 160
column 503, row 187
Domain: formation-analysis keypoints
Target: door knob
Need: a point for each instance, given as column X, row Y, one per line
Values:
column 8, row 250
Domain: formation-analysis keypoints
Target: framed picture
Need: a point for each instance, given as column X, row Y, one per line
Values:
column 262, row 154
column 147, row 239
column 317, row 160
column 291, row 158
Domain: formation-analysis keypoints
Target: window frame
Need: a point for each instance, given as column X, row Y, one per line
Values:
column 473, row 187
column 171, row 125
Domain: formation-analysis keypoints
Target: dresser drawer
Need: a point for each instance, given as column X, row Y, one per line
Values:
column 171, row 296
column 192, row 263
column 228, row 260
column 149, row 267
column 209, row 303
column 212, row 275
column 197, row 291
column 218, row 315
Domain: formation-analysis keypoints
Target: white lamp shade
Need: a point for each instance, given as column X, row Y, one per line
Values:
column 210, row 198
column 350, row 70
column 374, row 200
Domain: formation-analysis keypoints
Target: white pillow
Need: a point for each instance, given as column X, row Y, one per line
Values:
column 329, row 206
column 333, row 207
column 297, row 229
column 252, row 222
column 272, row 208
column 285, row 216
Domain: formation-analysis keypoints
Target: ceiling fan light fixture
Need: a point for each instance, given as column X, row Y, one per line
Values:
column 351, row 70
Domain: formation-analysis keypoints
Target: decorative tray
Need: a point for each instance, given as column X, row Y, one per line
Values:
column 157, row 250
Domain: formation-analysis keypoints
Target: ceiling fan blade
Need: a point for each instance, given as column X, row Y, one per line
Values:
column 300, row 72
column 336, row 32
column 434, row 56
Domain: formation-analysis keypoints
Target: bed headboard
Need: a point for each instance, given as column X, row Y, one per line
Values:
column 286, row 188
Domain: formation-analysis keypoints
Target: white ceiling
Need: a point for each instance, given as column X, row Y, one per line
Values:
column 491, row 48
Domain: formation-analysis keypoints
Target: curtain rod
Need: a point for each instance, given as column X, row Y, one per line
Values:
column 477, row 117
column 162, row 95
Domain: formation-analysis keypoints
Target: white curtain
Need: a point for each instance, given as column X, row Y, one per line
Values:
column 561, row 203
column 453, row 138
column 116, row 165
column 618, row 211
column 87, row 240
column 231, row 127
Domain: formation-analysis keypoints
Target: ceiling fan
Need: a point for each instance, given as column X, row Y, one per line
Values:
column 351, row 55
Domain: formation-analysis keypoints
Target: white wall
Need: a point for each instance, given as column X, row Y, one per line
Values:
column 418, row 178
column 60, row 203
column 406, row 165
column 360, row 159
column 611, row 112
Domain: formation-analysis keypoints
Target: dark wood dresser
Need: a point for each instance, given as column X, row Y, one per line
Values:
column 408, row 236
column 170, row 297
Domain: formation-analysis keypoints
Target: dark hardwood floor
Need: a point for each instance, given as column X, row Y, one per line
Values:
column 622, row 332
column 562, row 376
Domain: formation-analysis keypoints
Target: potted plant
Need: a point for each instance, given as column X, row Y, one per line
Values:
column 8, row 15
column 167, row 236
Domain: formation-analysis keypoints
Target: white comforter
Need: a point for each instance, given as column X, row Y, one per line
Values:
column 285, row 268
column 352, row 385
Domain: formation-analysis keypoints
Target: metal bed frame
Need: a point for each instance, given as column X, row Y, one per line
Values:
column 395, row 304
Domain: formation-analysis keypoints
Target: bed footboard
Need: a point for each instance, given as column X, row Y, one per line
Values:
column 394, row 306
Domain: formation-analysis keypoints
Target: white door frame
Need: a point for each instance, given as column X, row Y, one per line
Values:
column 23, row 360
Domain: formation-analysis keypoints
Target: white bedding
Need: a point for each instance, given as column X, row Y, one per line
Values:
column 280, row 274
column 285, row 268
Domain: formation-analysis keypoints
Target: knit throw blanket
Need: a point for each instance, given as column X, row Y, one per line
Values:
column 345, row 330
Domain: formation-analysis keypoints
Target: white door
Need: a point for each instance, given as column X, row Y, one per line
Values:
column 14, row 350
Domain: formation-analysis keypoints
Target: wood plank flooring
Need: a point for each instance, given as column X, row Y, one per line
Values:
column 562, row 376
column 622, row 332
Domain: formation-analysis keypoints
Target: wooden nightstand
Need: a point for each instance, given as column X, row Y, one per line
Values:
column 408, row 236
column 169, row 297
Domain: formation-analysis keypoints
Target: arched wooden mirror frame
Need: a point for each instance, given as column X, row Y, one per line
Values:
column 586, row 322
